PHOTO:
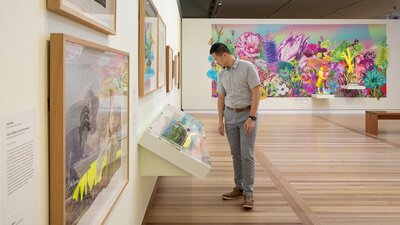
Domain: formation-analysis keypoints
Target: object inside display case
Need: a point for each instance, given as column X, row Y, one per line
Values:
column 182, row 131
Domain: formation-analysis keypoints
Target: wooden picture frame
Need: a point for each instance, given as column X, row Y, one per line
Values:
column 177, row 69
column 162, row 44
column 87, row 12
column 148, row 47
column 89, row 129
column 170, row 68
column 174, row 74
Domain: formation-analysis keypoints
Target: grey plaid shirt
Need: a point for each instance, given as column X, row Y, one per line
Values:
column 236, row 82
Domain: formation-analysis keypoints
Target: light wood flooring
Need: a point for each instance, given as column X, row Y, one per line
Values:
column 310, row 169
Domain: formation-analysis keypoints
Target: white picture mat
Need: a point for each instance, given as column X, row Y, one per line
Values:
column 94, row 11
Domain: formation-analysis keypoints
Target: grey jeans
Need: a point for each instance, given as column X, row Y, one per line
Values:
column 242, row 149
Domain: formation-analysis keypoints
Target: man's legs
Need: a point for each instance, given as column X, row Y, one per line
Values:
column 247, row 157
column 233, row 135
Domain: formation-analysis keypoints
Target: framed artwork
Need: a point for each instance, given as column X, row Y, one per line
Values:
column 296, row 60
column 148, row 47
column 97, row 14
column 162, row 43
column 89, row 136
column 170, row 68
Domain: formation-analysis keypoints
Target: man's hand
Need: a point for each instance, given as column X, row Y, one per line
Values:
column 221, row 128
column 249, row 126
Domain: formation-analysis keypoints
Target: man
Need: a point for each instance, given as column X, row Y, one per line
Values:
column 238, row 99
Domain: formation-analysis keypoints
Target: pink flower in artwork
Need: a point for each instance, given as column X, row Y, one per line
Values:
column 306, row 78
column 313, row 62
column 248, row 45
column 292, row 47
column 261, row 68
column 311, row 50
column 360, row 70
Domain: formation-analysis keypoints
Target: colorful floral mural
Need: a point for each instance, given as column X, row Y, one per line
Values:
column 301, row 60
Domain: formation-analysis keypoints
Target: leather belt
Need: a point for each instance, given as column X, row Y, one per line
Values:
column 239, row 109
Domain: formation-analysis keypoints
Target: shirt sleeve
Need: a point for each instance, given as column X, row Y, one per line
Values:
column 220, row 87
column 252, row 76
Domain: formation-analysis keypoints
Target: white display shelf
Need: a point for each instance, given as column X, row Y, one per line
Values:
column 352, row 87
column 174, row 145
column 322, row 96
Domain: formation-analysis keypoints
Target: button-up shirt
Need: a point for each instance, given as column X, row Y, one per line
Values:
column 236, row 82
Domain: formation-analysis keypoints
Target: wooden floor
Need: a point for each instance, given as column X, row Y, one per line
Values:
column 310, row 169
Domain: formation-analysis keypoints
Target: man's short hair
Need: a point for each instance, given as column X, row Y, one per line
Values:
column 219, row 49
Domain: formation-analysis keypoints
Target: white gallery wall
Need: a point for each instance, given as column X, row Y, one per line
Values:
column 196, row 92
column 24, row 85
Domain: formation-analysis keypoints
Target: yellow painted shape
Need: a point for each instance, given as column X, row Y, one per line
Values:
column 89, row 179
column 188, row 141
column 320, row 80
column 349, row 60
column 263, row 93
column 118, row 154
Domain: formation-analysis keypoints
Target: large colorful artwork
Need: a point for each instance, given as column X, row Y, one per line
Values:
column 93, row 126
column 300, row 60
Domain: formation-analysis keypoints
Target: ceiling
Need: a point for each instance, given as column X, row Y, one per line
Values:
column 302, row 9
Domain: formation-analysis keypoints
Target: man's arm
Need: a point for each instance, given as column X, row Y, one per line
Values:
column 255, row 92
column 254, row 84
column 221, row 106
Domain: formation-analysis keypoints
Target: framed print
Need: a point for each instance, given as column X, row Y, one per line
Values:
column 148, row 47
column 162, row 42
column 89, row 136
column 170, row 68
column 97, row 14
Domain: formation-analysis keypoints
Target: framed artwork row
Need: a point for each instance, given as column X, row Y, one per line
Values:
column 152, row 49
column 89, row 135
column 101, row 15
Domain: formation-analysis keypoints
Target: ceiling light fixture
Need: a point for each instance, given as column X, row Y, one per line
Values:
column 219, row 4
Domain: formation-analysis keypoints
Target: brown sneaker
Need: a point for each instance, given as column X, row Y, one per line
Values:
column 236, row 193
column 248, row 202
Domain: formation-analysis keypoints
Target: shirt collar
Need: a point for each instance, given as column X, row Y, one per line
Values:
column 234, row 65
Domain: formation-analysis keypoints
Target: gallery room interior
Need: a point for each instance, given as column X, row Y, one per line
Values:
column 230, row 112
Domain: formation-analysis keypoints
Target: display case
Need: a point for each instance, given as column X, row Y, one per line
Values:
column 174, row 145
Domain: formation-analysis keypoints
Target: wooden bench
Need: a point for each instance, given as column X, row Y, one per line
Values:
column 372, row 117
